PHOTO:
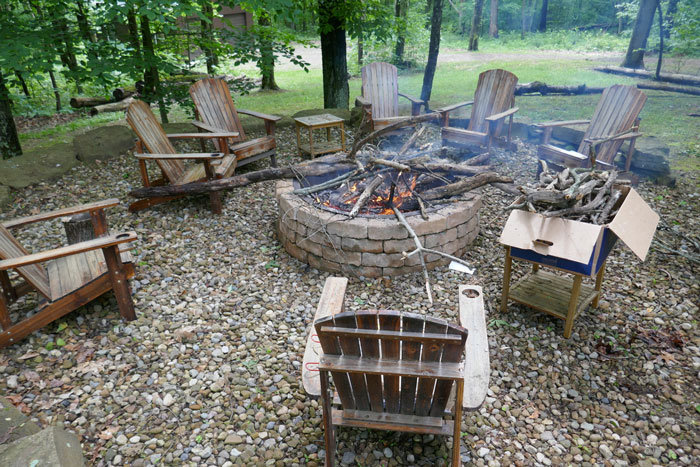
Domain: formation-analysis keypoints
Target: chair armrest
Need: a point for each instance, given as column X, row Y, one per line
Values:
column 562, row 123
column 452, row 107
column 412, row 99
column 218, row 134
column 90, row 207
column 193, row 156
column 605, row 139
column 74, row 249
column 362, row 102
column 206, row 127
column 496, row 117
column 272, row 118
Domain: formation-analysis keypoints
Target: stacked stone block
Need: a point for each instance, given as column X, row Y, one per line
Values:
column 371, row 247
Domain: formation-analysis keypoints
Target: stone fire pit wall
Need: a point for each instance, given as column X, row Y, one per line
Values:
column 371, row 247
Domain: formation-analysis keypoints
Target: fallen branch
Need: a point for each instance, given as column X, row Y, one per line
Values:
column 112, row 107
column 419, row 250
column 388, row 129
column 317, row 167
column 676, row 78
column 80, row 102
column 544, row 89
column 412, row 140
column 463, row 185
column 364, row 197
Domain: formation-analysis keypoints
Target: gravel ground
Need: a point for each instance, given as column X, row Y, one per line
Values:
column 209, row 373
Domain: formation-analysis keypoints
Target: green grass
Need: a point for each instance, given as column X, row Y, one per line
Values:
column 665, row 115
column 64, row 132
column 573, row 41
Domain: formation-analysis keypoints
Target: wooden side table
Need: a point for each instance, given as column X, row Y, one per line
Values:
column 562, row 297
column 316, row 122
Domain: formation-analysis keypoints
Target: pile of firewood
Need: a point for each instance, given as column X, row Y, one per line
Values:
column 580, row 194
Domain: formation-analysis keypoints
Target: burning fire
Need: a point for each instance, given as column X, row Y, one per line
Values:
column 379, row 201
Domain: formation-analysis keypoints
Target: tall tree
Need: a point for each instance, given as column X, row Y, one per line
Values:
column 493, row 19
column 433, row 50
column 634, row 58
column 543, row 16
column 9, row 140
column 267, row 56
column 476, row 25
column 336, row 91
column 460, row 16
column 400, row 12
column 207, row 35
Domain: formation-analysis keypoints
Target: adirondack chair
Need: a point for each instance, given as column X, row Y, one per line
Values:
column 425, row 353
column 616, row 119
column 215, row 109
column 380, row 95
column 152, row 138
column 494, row 100
column 73, row 276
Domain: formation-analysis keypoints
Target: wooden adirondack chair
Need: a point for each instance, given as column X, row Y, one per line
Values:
column 380, row 95
column 494, row 100
column 74, row 275
column 616, row 119
column 425, row 353
column 153, row 139
column 215, row 109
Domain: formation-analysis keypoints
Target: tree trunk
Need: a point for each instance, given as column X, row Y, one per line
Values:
column 133, row 32
column 22, row 83
column 522, row 20
column 433, row 50
column 493, row 19
column 78, row 228
column 671, row 10
column 9, row 140
column 152, row 88
column 83, row 24
column 207, row 36
column 360, row 49
column 543, row 16
column 267, row 63
column 56, row 93
column 400, row 12
column 68, row 57
column 638, row 42
column 476, row 25
column 661, row 42
column 336, row 92
column 80, row 102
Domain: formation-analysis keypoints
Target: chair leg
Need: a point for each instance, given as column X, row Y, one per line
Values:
column 214, row 196
column 506, row 281
column 120, row 284
column 273, row 159
column 329, row 435
column 457, row 432
column 5, row 320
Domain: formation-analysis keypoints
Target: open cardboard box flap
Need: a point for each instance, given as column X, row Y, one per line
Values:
column 635, row 224
column 551, row 236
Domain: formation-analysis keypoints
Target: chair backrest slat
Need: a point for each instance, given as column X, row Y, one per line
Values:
column 616, row 112
column 351, row 346
column 390, row 321
column 370, row 349
column 215, row 107
column 34, row 274
column 407, row 395
column 432, row 352
column 410, row 351
column 380, row 86
column 151, row 134
column 494, row 94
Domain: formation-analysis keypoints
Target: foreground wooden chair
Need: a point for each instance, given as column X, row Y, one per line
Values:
column 73, row 276
column 494, row 100
column 218, row 114
column 407, row 386
column 380, row 95
column 153, row 139
column 615, row 120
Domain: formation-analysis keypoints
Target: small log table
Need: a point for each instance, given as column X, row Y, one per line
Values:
column 562, row 297
column 316, row 122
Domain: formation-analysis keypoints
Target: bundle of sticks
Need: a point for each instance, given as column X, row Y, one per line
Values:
column 582, row 194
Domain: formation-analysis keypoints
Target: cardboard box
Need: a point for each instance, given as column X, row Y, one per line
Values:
column 576, row 246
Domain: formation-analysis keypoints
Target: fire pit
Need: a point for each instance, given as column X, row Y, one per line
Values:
column 317, row 229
